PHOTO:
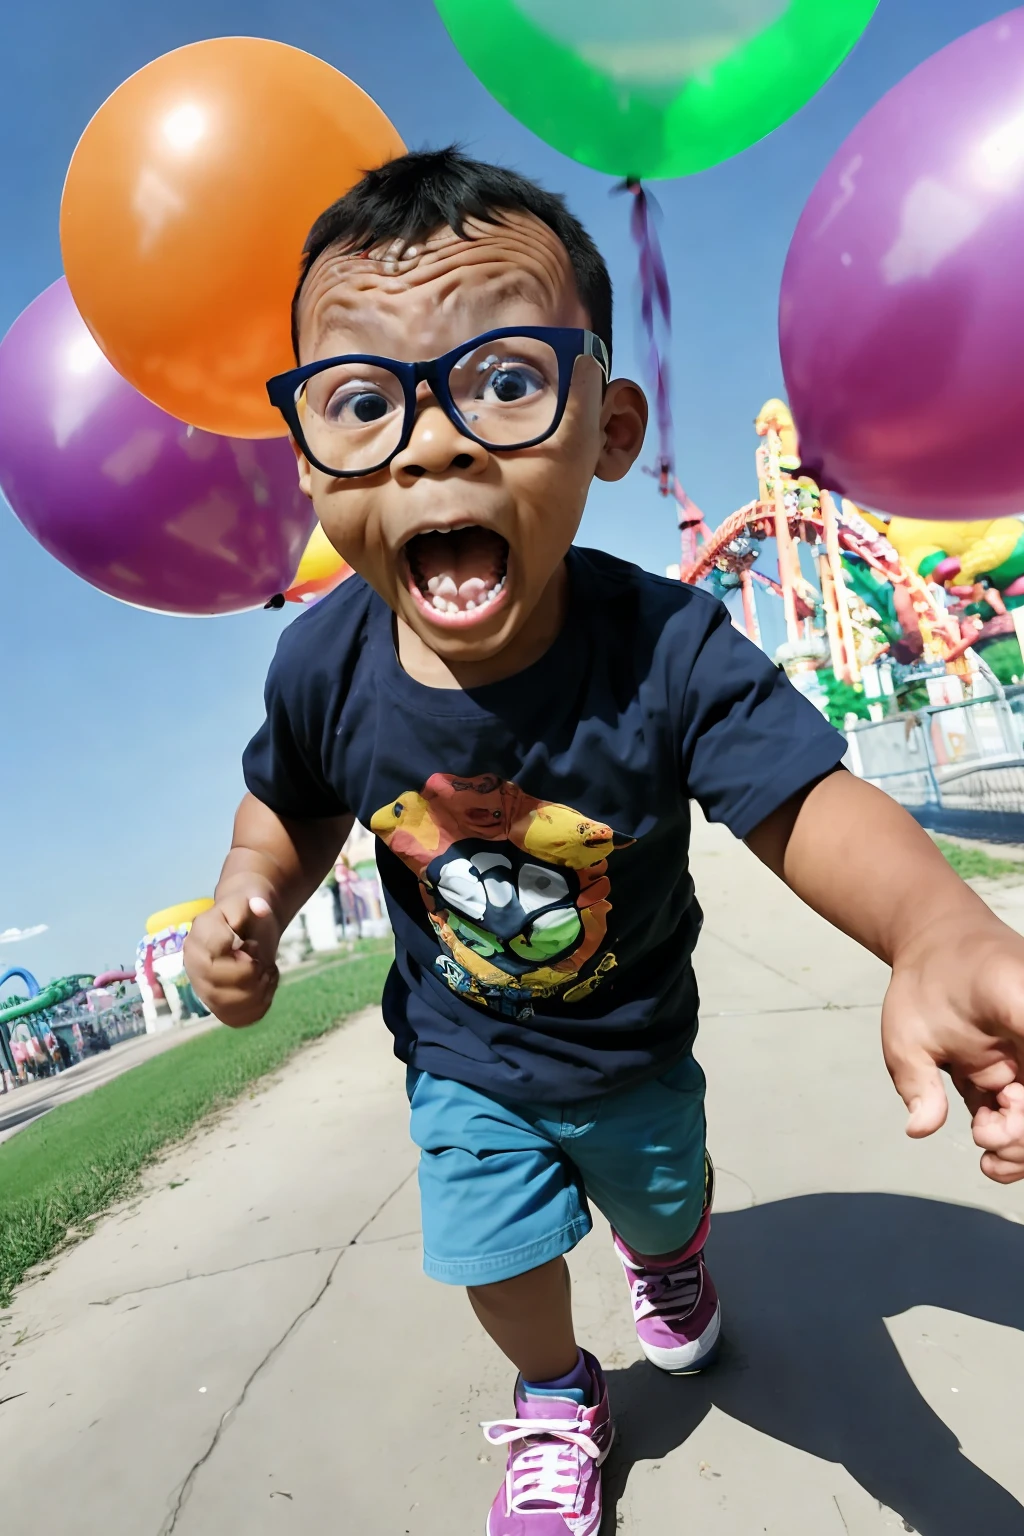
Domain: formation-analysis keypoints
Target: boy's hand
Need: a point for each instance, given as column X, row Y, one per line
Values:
column 956, row 1003
column 273, row 868
column 956, row 999
column 231, row 956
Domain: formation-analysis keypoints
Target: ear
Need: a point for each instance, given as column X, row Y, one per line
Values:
column 305, row 474
column 623, row 426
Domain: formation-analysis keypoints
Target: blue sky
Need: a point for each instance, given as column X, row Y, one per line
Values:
column 122, row 730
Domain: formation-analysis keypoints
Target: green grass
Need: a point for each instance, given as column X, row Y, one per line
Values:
column 78, row 1159
column 342, row 956
column 974, row 864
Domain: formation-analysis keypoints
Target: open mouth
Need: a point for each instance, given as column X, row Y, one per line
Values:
column 459, row 576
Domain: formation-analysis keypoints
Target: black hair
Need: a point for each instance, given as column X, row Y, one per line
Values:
column 410, row 197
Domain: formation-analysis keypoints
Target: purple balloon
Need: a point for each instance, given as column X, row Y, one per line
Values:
column 901, row 318
column 149, row 510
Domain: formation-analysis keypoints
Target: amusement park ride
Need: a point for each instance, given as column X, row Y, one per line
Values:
column 835, row 626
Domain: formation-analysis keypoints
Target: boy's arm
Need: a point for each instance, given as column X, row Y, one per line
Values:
column 274, row 866
column 956, row 998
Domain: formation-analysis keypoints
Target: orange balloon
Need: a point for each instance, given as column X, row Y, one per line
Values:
column 184, row 213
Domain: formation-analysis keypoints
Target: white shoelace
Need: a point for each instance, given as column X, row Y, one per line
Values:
column 672, row 1294
column 544, row 1472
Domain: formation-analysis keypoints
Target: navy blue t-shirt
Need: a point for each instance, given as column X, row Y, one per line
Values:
column 533, row 834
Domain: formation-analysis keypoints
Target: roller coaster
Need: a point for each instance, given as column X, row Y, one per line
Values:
column 842, row 621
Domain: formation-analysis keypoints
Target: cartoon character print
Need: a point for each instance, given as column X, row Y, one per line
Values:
column 516, row 888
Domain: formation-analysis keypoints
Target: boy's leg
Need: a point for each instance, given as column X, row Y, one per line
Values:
column 676, row 1309
column 530, row 1319
column 498, row 1198
column 645, row 1166
column 501, row 1205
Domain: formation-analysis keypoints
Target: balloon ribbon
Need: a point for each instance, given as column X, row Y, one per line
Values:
column 655, row 321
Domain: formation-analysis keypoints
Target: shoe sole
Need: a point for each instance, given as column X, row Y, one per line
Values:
column 601, row 1462
column 692, row 1359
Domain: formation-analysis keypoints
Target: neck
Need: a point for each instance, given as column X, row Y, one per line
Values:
column 527, row 645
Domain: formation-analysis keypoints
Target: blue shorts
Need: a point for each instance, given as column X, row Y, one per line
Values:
column 504, row 1187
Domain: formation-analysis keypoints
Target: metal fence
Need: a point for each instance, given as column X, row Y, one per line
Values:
column 958, row 767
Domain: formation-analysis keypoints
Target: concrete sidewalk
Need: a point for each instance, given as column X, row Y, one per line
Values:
column 251, row 1348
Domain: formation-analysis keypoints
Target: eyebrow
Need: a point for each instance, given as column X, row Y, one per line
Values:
column 511, row 285
column 336, row 316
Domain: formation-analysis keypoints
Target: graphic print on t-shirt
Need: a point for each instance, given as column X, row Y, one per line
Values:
column 516, row 888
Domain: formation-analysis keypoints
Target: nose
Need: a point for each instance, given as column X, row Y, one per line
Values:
column 437, row 446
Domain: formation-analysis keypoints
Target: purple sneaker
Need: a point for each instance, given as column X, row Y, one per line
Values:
column 555, row 1451
column 675, row 1305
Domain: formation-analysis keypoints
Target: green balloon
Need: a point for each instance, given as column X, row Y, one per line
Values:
column 652, row 88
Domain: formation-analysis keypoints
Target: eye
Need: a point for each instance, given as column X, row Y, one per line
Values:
column 504, row 381
column 461, row 887
column 397, row 808
column 491, row 867
column 551, row 935
column 478, row 939
column 539, row 887
column 357, row 404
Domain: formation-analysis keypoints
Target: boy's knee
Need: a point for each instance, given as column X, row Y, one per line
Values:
column 555, row 1272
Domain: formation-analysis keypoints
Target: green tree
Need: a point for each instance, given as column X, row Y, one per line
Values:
column 1004, row 657
column 842, row 699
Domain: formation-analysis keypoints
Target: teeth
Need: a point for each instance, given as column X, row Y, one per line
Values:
column 444, row 596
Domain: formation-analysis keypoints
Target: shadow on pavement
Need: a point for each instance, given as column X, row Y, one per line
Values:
column 805, row 1286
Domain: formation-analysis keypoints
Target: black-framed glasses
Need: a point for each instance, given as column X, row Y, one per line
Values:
column 506, row 389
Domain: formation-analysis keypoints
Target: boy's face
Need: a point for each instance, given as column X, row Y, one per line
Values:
column 447, row 510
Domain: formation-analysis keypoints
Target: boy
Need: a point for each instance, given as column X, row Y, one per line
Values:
column 523, row 724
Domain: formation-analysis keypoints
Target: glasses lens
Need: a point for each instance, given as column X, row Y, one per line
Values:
column 352, row 415
column 506, row 391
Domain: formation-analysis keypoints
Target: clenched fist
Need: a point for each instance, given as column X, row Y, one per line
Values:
column 231, row 956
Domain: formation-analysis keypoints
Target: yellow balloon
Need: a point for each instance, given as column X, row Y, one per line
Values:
column 177, row 917
column 321, row 569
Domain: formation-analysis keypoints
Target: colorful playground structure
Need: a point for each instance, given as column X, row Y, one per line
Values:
column 166, row 992
column 348, row 906
column 857, row 589
column 58, row 1025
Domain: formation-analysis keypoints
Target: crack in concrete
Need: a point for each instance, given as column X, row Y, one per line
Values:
column 188, row 1484
column 739, row 1180
column 211, row 1274
column 394, row 1237
column 757, row 1013
column 269, row 1258
column 747, row 954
